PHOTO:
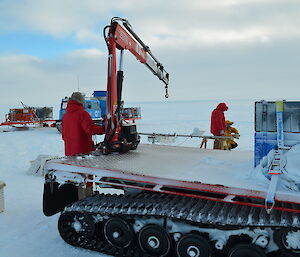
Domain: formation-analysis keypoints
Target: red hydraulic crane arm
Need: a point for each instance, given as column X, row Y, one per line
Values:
column 122, row 37
column 125, row 41
column 135, row 45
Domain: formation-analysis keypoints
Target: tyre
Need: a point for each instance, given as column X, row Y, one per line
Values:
column 154, row 240
column 288, row 242
column 193, row 245
column 246, row 250
column 72, row 225
column 118, row 232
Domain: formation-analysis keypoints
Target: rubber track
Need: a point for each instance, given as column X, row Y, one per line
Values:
column 178, row 208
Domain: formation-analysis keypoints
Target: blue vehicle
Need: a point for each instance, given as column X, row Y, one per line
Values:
column 95, row 106
column 101, row 96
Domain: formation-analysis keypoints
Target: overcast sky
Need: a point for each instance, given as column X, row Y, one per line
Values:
column 216, row 49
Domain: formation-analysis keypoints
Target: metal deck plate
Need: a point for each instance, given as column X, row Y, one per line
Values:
column 182, row 163
column 211, row 170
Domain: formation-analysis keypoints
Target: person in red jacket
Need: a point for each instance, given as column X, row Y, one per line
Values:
column 218, row 125
column 78, row 127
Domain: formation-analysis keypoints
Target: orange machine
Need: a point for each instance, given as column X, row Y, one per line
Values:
column 22, row 117
column 21, row 114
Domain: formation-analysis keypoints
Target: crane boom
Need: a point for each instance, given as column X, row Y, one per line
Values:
column 119, row 137
column 130, row 41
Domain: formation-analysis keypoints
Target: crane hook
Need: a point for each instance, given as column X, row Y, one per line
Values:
column 167, row 94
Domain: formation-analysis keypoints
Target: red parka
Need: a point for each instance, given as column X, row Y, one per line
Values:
column 218, row 120
column 77, row 129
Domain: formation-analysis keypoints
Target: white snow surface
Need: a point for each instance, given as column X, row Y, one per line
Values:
column 25, row 231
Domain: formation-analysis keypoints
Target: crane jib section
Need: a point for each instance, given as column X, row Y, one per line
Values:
column 124, row 40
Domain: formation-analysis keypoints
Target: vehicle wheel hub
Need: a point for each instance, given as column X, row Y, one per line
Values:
column 153, row 242
column 193, row 251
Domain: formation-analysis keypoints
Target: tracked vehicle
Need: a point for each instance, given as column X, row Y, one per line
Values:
column 149, row 200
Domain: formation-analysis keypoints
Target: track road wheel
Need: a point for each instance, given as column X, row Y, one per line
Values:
column 154, row 240
column 192, row 245
column 246, row 250
column 118, row 232
column 288, row 242
column 72, row 225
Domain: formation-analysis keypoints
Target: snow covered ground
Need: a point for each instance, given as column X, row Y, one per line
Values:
column 25, row 231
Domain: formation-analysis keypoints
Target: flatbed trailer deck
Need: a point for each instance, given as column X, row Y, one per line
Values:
column 164, row 168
